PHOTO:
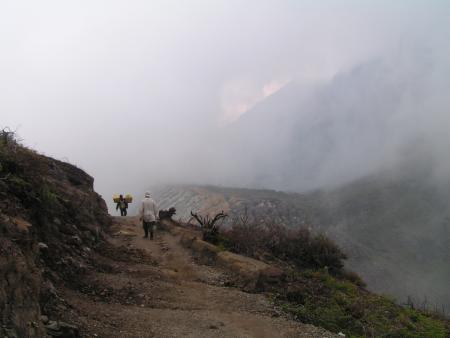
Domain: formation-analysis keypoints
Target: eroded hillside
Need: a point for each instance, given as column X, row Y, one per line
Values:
column 50, row 220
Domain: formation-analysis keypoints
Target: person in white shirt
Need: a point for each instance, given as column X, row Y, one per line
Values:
column 148, row 215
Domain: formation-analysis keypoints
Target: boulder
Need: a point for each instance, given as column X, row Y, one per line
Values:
column 62, row 329
column 42, row 246
column 44, row 319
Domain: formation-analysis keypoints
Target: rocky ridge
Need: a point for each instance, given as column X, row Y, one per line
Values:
column 50, row 221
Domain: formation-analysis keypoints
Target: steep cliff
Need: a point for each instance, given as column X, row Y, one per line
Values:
column 50, row 220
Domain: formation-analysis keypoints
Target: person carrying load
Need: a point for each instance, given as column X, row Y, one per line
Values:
column 122, row 204
column 148, row 213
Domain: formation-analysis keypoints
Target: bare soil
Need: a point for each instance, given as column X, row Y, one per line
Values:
column 154, row 288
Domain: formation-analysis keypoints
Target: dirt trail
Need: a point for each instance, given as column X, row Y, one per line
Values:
column 155, row 289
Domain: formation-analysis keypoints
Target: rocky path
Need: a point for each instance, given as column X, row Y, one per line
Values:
column 146, row 288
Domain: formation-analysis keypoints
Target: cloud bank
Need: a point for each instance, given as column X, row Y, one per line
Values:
column 142, row 93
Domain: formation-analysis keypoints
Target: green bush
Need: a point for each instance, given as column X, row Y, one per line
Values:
column 352, row 277
column 47, row 198
column 341, row 306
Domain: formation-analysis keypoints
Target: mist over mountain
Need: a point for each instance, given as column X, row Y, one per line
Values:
column 330, row 115
column 378, row 115
column 285, row 95
column 368, row 153
column 362, row 121
column 394, row 225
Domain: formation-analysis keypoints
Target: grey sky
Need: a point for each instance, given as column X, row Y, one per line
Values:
column 132, row 91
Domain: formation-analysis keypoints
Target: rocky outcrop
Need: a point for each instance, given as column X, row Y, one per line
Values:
column 20, row 281
column 50, row 220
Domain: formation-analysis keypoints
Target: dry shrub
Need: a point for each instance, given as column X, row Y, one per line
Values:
column 299, row 247
column 352, row 277
column 245, row 239
column 210, row 226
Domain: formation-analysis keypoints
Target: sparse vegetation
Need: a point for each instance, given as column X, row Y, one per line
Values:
column 341, row 306
column 320, row 291
column 299, row 247
column 21, row 171
column 210, row 227
column 45, row 221
column 396, row 220
column 317, row 288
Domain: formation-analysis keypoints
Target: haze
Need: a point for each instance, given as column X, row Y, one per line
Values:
column 140, row 93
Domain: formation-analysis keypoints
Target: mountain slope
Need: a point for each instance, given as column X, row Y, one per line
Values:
column 394, row 226
column 50, row 219
column 301, row 139
column 67, row 269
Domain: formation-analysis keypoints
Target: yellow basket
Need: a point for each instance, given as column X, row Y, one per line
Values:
column 127, row 197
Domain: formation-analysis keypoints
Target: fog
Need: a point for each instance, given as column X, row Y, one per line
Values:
column 290, row 95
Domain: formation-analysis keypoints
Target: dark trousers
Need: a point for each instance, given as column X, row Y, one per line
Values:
column 148, row 227
column 123, row 212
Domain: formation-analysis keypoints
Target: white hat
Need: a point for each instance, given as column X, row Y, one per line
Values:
column 147, row 194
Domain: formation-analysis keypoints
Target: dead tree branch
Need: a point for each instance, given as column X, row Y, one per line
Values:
column 208, row 225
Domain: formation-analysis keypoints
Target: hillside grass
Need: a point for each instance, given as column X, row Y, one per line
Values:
column 22, row 179
column 319, row 291
column 341, row 306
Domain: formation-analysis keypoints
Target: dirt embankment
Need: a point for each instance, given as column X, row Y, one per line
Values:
column 50, row 222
